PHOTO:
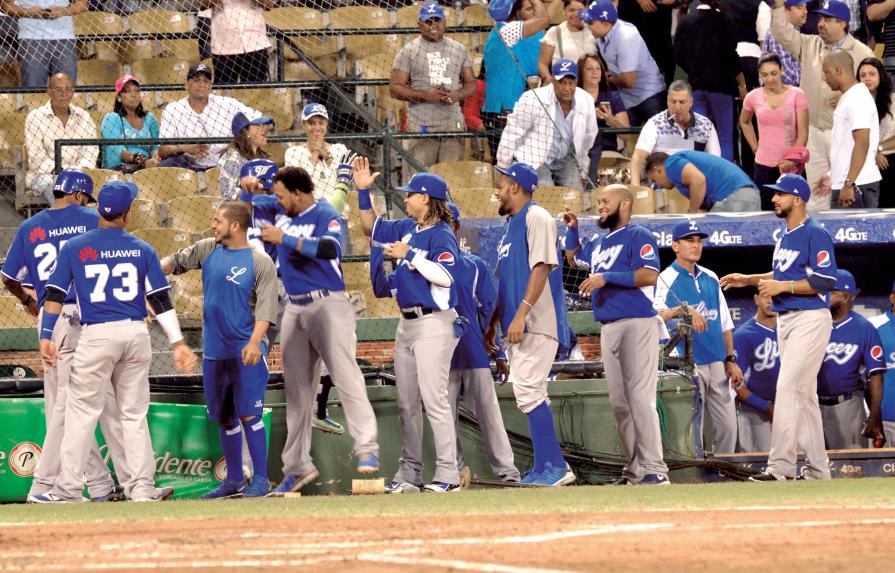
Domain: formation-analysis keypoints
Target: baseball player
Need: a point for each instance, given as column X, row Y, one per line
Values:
column 624, row 269
column 113, row 274
column 318, row 323
column 33, row 252
column 428, row 330
column 755, row 342
column 240, row 286
column 854, row 353
column 713, row 352
column 885, row 325
column 528, row 308
column 804, row 273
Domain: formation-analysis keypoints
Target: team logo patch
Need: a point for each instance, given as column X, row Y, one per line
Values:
column 647, row 252
column 446, row 258
column 334, row 227
column 823, row 259
column 23, row 458
column 37, row 233
column 87, row 253
column 877, row 352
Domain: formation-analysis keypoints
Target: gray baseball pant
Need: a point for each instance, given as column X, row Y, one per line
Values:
column 322, row 332
column 715, row 389
column 423, row 350
column 802, row 338
column 842, row 424
column 116, row 353
column 477, row 388
column 631, row 359
column 754, row 429
column 889, row 431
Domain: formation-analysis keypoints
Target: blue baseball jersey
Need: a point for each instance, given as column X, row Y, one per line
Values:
column 436, row 243
column 319, row 222
column 854, row 352
column 625, row 250
column 476, row 300
column 32, row 255
column 263, row 206
column 758, row 357
column 800, row 253
column 703, row 292
column 885, row 326
column 112, row 271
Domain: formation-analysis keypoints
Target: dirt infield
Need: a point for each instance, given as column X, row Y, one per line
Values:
column 815, row 540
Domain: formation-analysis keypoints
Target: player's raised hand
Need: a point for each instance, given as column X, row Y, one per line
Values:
column 251, row 353
column 49, row 353
column 569, row 218
column 363, row 178
column 184, row 358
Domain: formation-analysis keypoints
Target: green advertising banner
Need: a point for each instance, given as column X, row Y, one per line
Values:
column 187, row 448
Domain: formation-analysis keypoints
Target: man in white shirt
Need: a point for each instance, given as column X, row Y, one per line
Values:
column 552, row 129
column 200, row 114
column 854, row 176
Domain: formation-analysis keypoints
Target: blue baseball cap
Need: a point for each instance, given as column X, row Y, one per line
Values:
column 427, row 184
column 313, row 109
column 115, row 198
column 795, row 2
column 835, row 9
column 240, row 122
column 74, row 180
column 792, row 184
column 455, row 211
column 687, row 228
column 523, row 174
column 500, row 10
column 563, row 68
column 261, row 169
column 845, row 281
column 430, row 11
column 599, row 11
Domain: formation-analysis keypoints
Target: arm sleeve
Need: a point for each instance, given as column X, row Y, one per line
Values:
column 432, row 271
column 821, row 260
column 386, row 232
column 402, row 60
column 749, row 100
column 112, row 129
column 801, row 102
column 511, row 32
column 518, row 122
column 228, row 182
column 648, row 137
column 190, row 258
column 663, row 286
column 38, row 159
column 712, row 145
column 763, row 21
column 266, row 295
column 62, row 277
column 724, row 311
column 155, row 277
column 378, row 276
column 442, row 261
column 542, row 238
column 785, row 34
column 583, row 254
column 646, row 255
column 873, row 344
column 629, row 57
column 265, row 209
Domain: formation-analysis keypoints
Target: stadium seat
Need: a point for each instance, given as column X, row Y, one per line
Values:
column 108, row 50
column 165, row 241
column 162, row 184
column 143, row 215
column 98, row 24
column 466, row 173
column 276, row 152
column 475, row 201
column 164, row 97
column 13, row 314
column 296, row 71
column 187, row 292
column 211, row 177
column 476, row 15
column 675, row 202
column 185, row 49
column 408, row 16
column 279, row 103
column 193, row 213
column 354, row 17
column 8, row 102
column 556, row 199
column 98, row 72
column 376, row 66
column 644, row 200
column 161, row 70
column 12, row 139
column 312, row 46
column 102, row 176
column 469, row 42
column 159, row 22
column 294, row 18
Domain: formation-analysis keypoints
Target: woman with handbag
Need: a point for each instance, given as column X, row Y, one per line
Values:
column 129, row 120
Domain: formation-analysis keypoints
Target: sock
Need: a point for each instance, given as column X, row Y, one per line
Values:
column 326, row 384
column 543, row 436
column 231, row 443
column 256, row 438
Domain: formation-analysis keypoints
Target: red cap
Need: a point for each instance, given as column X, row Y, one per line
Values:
column 120, row 82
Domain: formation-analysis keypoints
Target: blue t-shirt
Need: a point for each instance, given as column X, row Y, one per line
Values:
column 758, row 357
column 112, row 271
column 802, row 252
column 625, row 250
column 885, row 326
column 507, row 68
column 34, row 249
column 228, row 278
column 116, row 126
column 854, row 351
column 722, row 177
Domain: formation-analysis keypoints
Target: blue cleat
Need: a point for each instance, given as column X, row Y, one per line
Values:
column 654, row 479
column 294, row 482
column 117, row 494
column 553, row 476
column 51, row 498
column 367, row 464
column 227, row 489
column 530, row 477
column 327, row 425
column 258, row 487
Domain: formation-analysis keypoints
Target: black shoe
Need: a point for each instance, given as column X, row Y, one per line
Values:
column 622, row 481
column 768, row 476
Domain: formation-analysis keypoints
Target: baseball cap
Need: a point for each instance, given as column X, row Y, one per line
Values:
column 599, row 11
column 845, row 281
column 73, row 180
column 115, row 197
column 261, row 169
column 430, row 11
column 428, row 184
column 523, row 174
column 795, row 2
column 197, row 69
column 500, row 10
column 792, row 184
column 563, row 68
column 687, row 228
column 313, row 109
column 455, row 211
column 835, row 9
column 240, row 122
column 122, row 81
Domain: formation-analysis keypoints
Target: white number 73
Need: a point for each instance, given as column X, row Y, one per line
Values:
column 129, row 281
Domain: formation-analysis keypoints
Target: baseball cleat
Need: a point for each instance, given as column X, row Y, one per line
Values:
column 294, row 482
column 768, row 476
column 654, row 479
column 50, row 497
column 161, row 494
column 117, row 494
column 530, row 477
column 228, row 488
column 441, row 487
column 367, row 464
column 327, row 425
column 554, row 476
column 258, row 487
column 397, row 487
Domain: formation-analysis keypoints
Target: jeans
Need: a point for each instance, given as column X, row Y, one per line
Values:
column 717, row 107
column 741, row 200
column 646, row 109
column 251, row 67
column 764, row 175
column 866, row 197
column 39, row 59
column 562, row 173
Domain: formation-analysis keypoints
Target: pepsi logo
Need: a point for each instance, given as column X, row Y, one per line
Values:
column 876, row 352
column 647, row 252
column 446, row 258
column 823, row 259
column 334, row 227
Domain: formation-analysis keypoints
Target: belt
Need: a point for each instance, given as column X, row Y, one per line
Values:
column 416, row 312
column 309, row 297
column 833, row 400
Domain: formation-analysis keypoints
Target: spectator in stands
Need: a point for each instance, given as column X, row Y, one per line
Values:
column 884, row 11
column 632, row 69
column 796, row 15
column 872, row 74
column 129, row 120
column 511, row 57
column 249, row 140
column 433, row 74
column 652, row 18
column 782, row 113
column 200, row 114
column 570, row 40
column 609, row 108
column 832, row 35
column 854, row 177
column 46, row 38
column 552, row 129
column 710, row 182
column 239, row 44
column 744, row 14
column 705, row 48
column 57, row 119
column 675, row 129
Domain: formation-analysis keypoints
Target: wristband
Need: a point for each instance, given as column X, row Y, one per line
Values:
column 572, row 239
column 290, row 242
column 309, row 247
column 620, row 278
column 363, row 200
column 47, row 324
column 169, row 323
column 792, row 287
column 756, row 402
column 528, row 303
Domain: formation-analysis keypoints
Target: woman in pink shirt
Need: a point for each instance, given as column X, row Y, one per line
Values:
column 782, row 113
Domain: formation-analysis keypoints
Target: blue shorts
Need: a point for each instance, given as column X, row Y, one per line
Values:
column 233, row 389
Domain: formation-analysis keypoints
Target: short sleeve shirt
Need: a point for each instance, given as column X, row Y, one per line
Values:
column 429, row 65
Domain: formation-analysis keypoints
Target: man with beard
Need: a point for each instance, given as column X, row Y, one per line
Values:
column 804, row 273
column 624, row 269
